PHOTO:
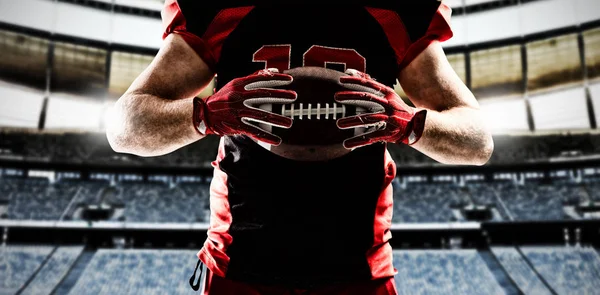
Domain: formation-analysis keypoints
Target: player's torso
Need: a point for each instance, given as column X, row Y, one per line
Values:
column 304, row 224
column 293, row 223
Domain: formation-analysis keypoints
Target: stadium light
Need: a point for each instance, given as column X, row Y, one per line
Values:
column 73, row 113
column 505, row 115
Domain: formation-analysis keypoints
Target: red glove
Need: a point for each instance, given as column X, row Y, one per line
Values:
column 387, row 117
column 231, row 110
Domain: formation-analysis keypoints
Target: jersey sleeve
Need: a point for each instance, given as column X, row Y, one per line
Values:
column 204, row 25
column 174, row 22
column 413, row 26
column 439, row 29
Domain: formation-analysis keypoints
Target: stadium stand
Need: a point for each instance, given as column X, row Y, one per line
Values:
column 134, row 271
column 533, row 201
column 38, row 199
column 536, row 270
column 428, row 203
column 89, row 192
column 18, row 264
column 93, row 148
column 486, row 194
column 592, row 187
column 568, row 270
column 188, row 202
column 443, row 272
column 156, row 202
column 520, row 272
column 53, row 271
column 75, row 272
column 35, row 199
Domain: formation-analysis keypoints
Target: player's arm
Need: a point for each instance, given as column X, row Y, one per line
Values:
column 154, row 116
column 454, row 132
column 160, row 113
column 445, row 124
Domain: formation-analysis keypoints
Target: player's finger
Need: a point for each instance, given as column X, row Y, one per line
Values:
column 362, row 99
column 365, row 120
column 258, row 133
column 268, row 80
column 262, row 96
column 357, row 73
column 363, row 84
column 364, row 139
column 267, row 117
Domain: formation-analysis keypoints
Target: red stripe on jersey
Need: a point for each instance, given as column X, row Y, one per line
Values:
column 379, row 256
column 222, row 25
column 214, row 252
column 439, row 30
column 174, row 22
column 406, row 51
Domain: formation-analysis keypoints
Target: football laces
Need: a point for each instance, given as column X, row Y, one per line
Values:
column 314, row 111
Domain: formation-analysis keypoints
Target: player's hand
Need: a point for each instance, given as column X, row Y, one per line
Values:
column 387, row 117
column 231, row 110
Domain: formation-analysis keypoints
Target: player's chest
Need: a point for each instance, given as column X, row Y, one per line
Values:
column 333, row 39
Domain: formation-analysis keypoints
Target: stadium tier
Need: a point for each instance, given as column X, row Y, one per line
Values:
column 18, row 264
column 503, row 270
column 93, row 149
column 443, row 272
column 567, row 271
column 146, row 272
column 414, row 202
column 519, row 270
column 54, row 269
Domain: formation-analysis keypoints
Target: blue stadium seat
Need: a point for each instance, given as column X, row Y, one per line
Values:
column 533, row 202
column 53, row 271
column 148, row 272
column 568, row 270
column 442, row 272
column 89, row 192
column 18, row 264
column 592, row 186
column 519, row 271
column 156, row 202
column 487, row 194
column 36, row 199
column 427, row 203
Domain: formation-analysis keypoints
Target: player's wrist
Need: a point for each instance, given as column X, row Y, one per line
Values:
column 415, row 128
column 199, row 117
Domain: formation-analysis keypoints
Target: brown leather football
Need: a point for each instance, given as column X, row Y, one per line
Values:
column 314, row 135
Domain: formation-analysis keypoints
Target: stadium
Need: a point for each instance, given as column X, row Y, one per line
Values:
column 79, row 218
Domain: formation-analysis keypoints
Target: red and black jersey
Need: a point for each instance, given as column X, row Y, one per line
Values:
column 303, row 224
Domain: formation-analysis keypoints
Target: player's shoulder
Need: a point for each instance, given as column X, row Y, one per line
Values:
column 416, row 16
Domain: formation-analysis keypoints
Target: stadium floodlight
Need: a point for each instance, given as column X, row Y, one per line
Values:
column 75, row 113
column 505, row 115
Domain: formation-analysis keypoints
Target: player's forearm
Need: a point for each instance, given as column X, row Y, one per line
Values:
column 146, row 125
column 457, row 136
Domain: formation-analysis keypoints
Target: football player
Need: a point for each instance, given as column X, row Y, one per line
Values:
column 280, row 226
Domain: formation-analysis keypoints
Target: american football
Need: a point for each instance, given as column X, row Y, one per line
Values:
column 314, row 135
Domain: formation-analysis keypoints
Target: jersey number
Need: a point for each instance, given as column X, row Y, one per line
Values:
column 278, row 56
